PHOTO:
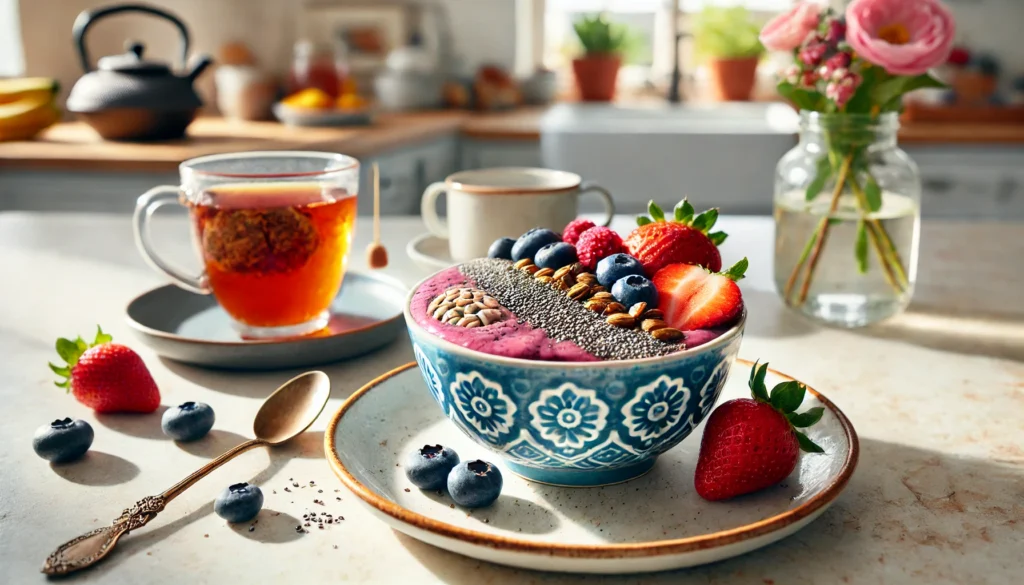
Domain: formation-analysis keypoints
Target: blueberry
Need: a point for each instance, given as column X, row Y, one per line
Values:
column 555, row 256
column 427, row 467
column 617, row 266
column 474, row 484
column 188, row 421
column 501, row 248
column 634, row 289
column 239, row 502
column 531, row 242
column 62, row 440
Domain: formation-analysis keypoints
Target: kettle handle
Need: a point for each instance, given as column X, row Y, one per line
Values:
column 88, row 17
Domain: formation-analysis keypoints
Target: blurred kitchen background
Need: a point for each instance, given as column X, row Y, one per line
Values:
column 428, row 87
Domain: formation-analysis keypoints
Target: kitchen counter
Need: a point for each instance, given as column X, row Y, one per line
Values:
column 74, row 146
column 937, row 397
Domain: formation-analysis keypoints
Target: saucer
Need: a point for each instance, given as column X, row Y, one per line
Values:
column 652, row 523
column 191, row 328
column 430, row 252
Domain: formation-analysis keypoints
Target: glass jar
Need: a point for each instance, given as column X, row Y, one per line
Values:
column 847, row 220
column 318, row 65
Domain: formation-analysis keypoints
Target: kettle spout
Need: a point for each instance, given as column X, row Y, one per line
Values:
column 201, row 63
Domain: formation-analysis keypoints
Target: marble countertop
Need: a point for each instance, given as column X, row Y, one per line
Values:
column 936, row 395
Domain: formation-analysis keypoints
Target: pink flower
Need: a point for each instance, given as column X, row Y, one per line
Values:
column 842, row 88
column 835, row 32
column 812, row 53
column 837, row 62
column 786, row 31
column 904, row 37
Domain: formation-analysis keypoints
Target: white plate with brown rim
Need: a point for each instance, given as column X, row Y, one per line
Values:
column 653, row 523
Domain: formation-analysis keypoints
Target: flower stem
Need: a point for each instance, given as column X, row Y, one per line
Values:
column 821, row 234
column 883, row 246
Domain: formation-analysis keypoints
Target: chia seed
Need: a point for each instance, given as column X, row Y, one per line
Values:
column 564, row 319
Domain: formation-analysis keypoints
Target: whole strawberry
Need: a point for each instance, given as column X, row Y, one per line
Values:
column 572, row 232
column 597, row 243
column 684, row 239
column 752, row 444
column 105, row 376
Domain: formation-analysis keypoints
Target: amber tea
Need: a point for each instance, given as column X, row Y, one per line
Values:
column 274, row 253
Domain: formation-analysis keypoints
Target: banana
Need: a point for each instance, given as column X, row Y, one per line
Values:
column 25, row 118
column 13, row 90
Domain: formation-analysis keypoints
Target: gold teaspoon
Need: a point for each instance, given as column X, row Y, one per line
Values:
column 285, row 414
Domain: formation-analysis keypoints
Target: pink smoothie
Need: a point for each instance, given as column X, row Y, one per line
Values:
column 508, row 338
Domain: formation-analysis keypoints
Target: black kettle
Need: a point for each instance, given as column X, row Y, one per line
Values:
column 129, row 98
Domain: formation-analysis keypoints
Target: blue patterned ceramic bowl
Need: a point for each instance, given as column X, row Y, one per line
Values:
column 574, row 424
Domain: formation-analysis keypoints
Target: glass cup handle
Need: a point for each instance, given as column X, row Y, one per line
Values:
column 428, row 209
column 145, row 207
column 606, row 197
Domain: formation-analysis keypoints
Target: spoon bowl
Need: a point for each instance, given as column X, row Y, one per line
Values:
column 292, row 408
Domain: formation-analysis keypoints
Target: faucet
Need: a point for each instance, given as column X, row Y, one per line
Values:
column 674, row 96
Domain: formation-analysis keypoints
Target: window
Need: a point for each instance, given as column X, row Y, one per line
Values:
column 649, row 60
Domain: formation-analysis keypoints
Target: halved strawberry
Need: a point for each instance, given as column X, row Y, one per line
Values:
column 658, row 242
column 693, row 298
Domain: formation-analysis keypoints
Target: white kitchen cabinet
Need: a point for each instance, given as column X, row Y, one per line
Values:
column 404, row 174
column 971, row 182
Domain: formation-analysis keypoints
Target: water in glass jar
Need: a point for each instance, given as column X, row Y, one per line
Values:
column 838, row 292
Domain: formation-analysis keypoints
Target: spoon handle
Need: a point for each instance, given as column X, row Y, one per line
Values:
column 89, row 548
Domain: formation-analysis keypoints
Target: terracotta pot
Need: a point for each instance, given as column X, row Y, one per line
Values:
column 595, row 76
column 733, row 79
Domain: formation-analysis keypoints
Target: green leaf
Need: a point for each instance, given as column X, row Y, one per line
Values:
column 803, row 99
column 68, row 351
column 893, row 89
column 65, row 371
column 787, row 396
column 757, row 387
column 656, row 213
column 833, row 221
column 705, row 220
column 872, row 193
column 717, row 237
column 101, row 337
column 642, row 220
column 822, row 173
column 82, row 345
column 806, row 444
column 860, row 247
column 735, row 272
column 683, row 211
column 66, row 384
column 806, row 419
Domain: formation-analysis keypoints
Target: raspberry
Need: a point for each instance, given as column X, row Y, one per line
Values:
column 598, row 243
column 571, row 233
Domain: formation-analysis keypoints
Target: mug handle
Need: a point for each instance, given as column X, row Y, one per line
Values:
column 428, row 209
column 606, row 197
column 145, row 207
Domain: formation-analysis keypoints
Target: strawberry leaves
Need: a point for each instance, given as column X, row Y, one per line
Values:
column 786, row 397
column 71, row 351
column 684, row 213
column 736, row 272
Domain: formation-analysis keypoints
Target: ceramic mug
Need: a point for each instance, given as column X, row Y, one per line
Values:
column 487, row 204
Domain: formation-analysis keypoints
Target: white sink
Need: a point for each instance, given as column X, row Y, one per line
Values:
column 718, row 155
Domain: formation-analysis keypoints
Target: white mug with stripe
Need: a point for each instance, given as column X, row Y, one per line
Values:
column 487, row 204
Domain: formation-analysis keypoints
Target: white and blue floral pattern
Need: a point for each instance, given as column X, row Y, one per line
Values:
column 429, row 375
column 484, row 405
column 656, row 408
column 568, row 417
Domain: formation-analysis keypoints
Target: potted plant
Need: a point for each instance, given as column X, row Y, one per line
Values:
column 727, row 39
column 597, row 70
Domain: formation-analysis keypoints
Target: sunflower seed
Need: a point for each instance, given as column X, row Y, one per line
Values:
column 491, row 302
column 586, row 278
column 543, row 272
column 595, row 305
column 562, row 272
column 474, row 308
column 638, row 309
column 454, row 320
column 463, row 302
column 597, row 288
column 668, row 334
column 488, row 316
column 578, row 291
column 523, row 264
column 614, row 308
column 465, row 321
column 544, row 279
column 604, row 296
column 441, row 310
column 652, row 324
column 621, row 320
column 653, row 314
